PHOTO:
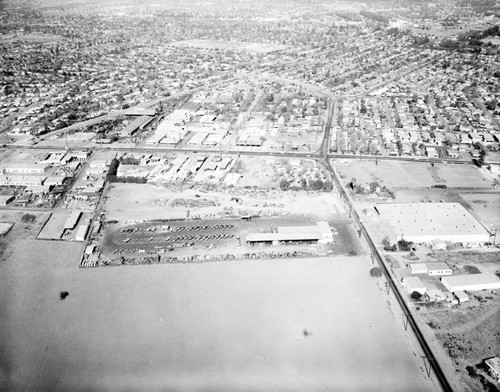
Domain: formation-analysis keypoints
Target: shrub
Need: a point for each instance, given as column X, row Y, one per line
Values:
column 376, row 272
column 416, row 295
column 28, row 218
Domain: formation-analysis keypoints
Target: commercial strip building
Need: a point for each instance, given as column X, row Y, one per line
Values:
column 320, row 233
column 471, row 282
column 427, row 222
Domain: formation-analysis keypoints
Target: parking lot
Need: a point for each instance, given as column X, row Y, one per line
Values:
column 159, row 237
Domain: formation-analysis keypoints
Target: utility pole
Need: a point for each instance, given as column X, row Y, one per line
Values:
column 427, row 364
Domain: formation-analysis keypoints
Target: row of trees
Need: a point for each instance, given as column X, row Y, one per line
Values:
column 315, row 185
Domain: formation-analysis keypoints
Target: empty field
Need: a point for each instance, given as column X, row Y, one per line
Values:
column 144, row 201
column 486, row 207
column 212, row 326
column 394, row 174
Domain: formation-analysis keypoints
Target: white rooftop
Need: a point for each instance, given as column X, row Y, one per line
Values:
column 424, row 222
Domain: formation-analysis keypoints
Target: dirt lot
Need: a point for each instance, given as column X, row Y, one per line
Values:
column 395, row 174
column 130, row 202
column 486, row 207
column 26, row 225
column 218, row 326
column 468, row 332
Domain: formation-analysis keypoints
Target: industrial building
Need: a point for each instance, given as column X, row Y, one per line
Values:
column 249, row 141
column 320, row 233
column 72, row 220
column 431, row 269
column 427, row 222
column 198, row 138
column 438, row 269
column 22, row 180
column 413, row 283
column 471, row 282
column 461, row 296
column 81, row 232
column 25, row 168
column 139, row 123
column 6, row 199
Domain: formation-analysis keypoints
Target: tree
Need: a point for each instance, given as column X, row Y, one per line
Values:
column 284, row 184
column 416, row 295
column 328, row 186
column 113, row 169
column 376, row 272
column 317, row 185
column 28, row 218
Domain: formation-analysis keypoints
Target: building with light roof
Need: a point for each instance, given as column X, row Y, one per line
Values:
column 471, row 282
column 320, row 233
column 426, row 222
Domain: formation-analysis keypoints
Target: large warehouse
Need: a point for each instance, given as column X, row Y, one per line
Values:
column 425, row 222
column 471, row 282
column 321, row 233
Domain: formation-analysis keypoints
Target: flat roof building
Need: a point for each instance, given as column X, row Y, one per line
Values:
column 81, row 232
column 413, row 283
column 425, row 222
column 22, row 180
column 461, row 296
column 320, row 233
column 6, row 199
column 471, row 282
column 438, row 269
column 72, row 220
column 25, row 168
column 417, row 268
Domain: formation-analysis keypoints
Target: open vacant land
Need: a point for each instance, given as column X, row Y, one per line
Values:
column 216, row 326
column 144, row 201
column 395, row 174
column 486, row 207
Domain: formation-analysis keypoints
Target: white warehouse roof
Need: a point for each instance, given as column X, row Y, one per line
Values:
column 471, row 282
column 425, row 222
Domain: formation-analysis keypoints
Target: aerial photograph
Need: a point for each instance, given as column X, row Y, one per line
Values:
column 250, row 195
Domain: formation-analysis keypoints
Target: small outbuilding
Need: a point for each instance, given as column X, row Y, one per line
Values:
column 461, row 296
column 435, row 295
